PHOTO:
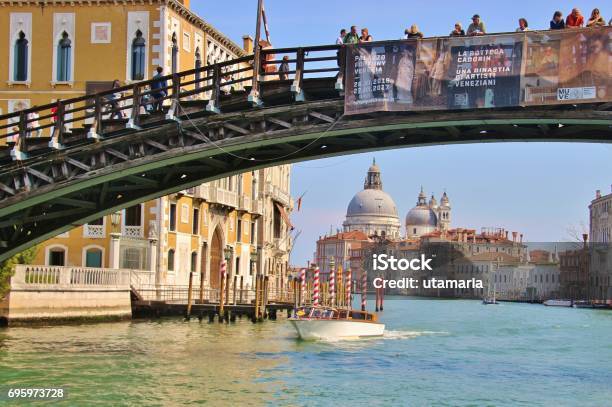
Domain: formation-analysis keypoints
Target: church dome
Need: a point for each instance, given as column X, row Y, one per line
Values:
column 372, row 202
column 421, row 216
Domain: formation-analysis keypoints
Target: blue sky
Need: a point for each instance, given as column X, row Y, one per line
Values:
column 538, row 189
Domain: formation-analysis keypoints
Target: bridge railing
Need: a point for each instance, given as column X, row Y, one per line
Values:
column 32, row 131
column 35, row 130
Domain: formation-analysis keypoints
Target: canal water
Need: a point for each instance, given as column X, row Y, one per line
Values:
column 435, row 352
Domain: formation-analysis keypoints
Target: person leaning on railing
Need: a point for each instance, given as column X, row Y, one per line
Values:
column 352, row 37
column 477, row 27
column 413, row 32
column 557, row 22
column 458, row 31
column 596, row 19
column 575, row 19
column 523, row 25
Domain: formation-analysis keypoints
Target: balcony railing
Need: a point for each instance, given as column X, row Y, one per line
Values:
column 202, row 192
column 94, row 231
column 244, row 203
column 134, row 232
column 257, row 207
column 223, row 197
column 278, row 194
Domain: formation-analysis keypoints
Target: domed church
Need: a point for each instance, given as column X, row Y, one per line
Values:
column 372, row 211
column 427, row 217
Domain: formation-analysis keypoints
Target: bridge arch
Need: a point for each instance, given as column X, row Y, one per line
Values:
column 207, row 134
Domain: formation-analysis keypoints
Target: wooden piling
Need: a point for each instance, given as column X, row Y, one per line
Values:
column 241, row 289
column 256, row 310
column 222, row 289
column 189, row 296
column 265, row 292
column 234, row 289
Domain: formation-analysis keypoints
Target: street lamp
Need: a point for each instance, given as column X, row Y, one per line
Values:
column 228, row 252
column 115, row 221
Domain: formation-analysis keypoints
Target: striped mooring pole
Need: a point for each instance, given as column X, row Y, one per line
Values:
column 364, row 287
column 349, row 277
column 332, row 283
column 315, row 290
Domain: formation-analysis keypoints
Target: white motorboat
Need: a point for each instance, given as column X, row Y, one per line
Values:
column 558, row 303
column 313, row 323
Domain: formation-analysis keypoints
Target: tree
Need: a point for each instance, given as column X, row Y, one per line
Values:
column 7, row 267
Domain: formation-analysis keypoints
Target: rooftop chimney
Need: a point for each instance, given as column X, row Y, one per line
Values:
column 598, row 194
column 506, row 235
column 247, row 44
column 521, row 238
column 585, row 237
column 514, row 236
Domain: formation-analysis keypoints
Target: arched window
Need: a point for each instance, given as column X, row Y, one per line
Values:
column 171, row 260
column 175, row 50
column 194, row 261
column 64, row 54
column 138, row 57
column 21, row 58
column 198, row 65
column 93, row 257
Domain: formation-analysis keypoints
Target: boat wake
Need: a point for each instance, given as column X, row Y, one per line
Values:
column 410, row 334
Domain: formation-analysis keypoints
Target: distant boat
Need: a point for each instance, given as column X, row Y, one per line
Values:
column 488, row 300
column 334, row 323
column 558, row 303
column 582, row 304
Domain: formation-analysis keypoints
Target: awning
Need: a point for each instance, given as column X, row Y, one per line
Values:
column 284, row 215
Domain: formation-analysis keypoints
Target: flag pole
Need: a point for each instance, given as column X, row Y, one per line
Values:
column 254, row 95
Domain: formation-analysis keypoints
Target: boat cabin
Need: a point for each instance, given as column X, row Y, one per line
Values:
column 332, row 313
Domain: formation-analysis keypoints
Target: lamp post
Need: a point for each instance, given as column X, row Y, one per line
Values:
column 115, row 237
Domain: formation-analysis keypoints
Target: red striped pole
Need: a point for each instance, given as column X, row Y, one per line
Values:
column 349, row 277
column 364, row 287
column 332, row 286
column 303, row 281
column 315, row 290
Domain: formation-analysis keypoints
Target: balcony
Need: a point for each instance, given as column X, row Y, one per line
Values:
column 257, row 207
column 244, row 203
column 223, row 197
column 202, row 192
column 278, row 194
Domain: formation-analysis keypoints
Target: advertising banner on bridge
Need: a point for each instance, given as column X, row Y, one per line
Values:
column 517, row 69
column 567, row 67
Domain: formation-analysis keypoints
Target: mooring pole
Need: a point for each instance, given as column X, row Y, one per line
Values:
column 222, row 290
column 241, row 288
column 189, row 296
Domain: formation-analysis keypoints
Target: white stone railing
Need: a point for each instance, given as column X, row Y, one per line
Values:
column 133, row 231
column 257, row 206
column 224, row 197
column 278, row 194
column 245, row 203
column 55, row 277
column 94, row 231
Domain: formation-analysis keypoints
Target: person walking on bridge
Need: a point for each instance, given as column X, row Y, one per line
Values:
column 365, row 36
column 159, row 86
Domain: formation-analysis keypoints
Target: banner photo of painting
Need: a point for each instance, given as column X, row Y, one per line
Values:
column 567, row 67
column 380, row 77
column 485, row 72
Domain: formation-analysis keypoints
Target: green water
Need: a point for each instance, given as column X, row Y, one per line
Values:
column 434, row 352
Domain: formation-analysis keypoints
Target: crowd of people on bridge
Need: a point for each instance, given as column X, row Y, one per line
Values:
column 477, row 27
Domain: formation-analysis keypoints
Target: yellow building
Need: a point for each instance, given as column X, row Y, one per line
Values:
column 63, row 49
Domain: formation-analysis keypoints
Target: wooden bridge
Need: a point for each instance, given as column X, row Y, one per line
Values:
column 68, row 163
